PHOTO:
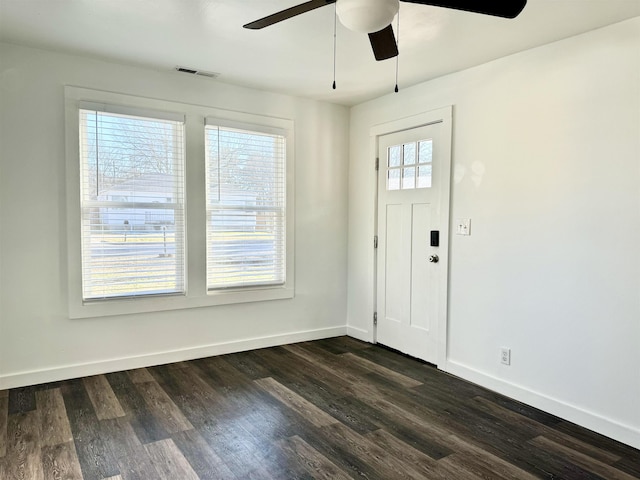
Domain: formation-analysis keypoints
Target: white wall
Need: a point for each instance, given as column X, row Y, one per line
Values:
column 38, row 342
column 546, row 158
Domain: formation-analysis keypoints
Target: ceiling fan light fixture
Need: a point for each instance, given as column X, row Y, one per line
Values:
column 366, row 16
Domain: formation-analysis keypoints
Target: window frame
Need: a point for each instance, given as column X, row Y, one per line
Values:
column 196, row 294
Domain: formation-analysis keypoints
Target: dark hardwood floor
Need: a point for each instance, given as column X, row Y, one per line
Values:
column 329, row 409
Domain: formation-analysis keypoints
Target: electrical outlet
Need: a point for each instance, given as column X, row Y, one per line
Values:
column 505, row 356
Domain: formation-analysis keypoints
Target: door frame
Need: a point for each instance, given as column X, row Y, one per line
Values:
column 444, row 116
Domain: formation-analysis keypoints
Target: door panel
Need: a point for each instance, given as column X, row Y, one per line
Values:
column 394, row 289
column 410, row 197
column 420, row 275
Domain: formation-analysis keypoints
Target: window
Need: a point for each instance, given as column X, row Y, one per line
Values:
column 246, row 205
column 132, row 204
column 409, row 165
column 160, row 219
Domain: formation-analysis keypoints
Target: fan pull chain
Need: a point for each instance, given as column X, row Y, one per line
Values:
column 398, row 44
column 335, row 29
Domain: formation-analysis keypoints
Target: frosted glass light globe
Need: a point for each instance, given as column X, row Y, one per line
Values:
column 366, row 16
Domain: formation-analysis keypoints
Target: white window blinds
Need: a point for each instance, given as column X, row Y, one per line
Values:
column 245, row 188
column 132, row 203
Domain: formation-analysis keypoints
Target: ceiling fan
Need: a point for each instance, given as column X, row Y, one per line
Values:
column 374, row 16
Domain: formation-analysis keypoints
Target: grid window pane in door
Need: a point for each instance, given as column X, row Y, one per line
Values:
column 424, row 176
column 246, row 211
column 393, row 179
column 425, row 151
column 409, row 165
column 132, row 205
column 408, row 178
column 409, row 153
column 394, row 156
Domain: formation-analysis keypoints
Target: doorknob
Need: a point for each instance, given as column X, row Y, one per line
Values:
column 434, row 259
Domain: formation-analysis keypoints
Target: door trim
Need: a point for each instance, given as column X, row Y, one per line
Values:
column 442, row 115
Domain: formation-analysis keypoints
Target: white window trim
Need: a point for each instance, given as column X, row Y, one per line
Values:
column 197, row 294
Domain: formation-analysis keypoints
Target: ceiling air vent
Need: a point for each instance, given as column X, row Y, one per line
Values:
column 200, row 73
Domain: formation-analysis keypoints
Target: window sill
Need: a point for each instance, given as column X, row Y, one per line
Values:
column 129, row 306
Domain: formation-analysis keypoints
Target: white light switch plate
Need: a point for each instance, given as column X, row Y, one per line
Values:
column 463, row 226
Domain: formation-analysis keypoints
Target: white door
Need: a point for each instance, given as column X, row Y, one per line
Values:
column 413, row 201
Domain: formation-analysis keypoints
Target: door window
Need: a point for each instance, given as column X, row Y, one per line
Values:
column 409, row 165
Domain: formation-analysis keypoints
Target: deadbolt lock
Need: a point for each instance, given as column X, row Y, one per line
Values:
column 434, row 259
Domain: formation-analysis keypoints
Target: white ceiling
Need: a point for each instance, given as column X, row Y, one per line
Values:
column 296, row 56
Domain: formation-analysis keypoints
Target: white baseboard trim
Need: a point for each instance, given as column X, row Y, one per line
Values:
column 592, row 421
column 65, row 372
column 359, row 333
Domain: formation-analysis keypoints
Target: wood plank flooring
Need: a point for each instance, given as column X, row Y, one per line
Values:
column 330, row 409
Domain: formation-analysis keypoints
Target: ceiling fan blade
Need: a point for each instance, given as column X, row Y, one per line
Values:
column 504, row 8
column 288, row 13
column 384, row 44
